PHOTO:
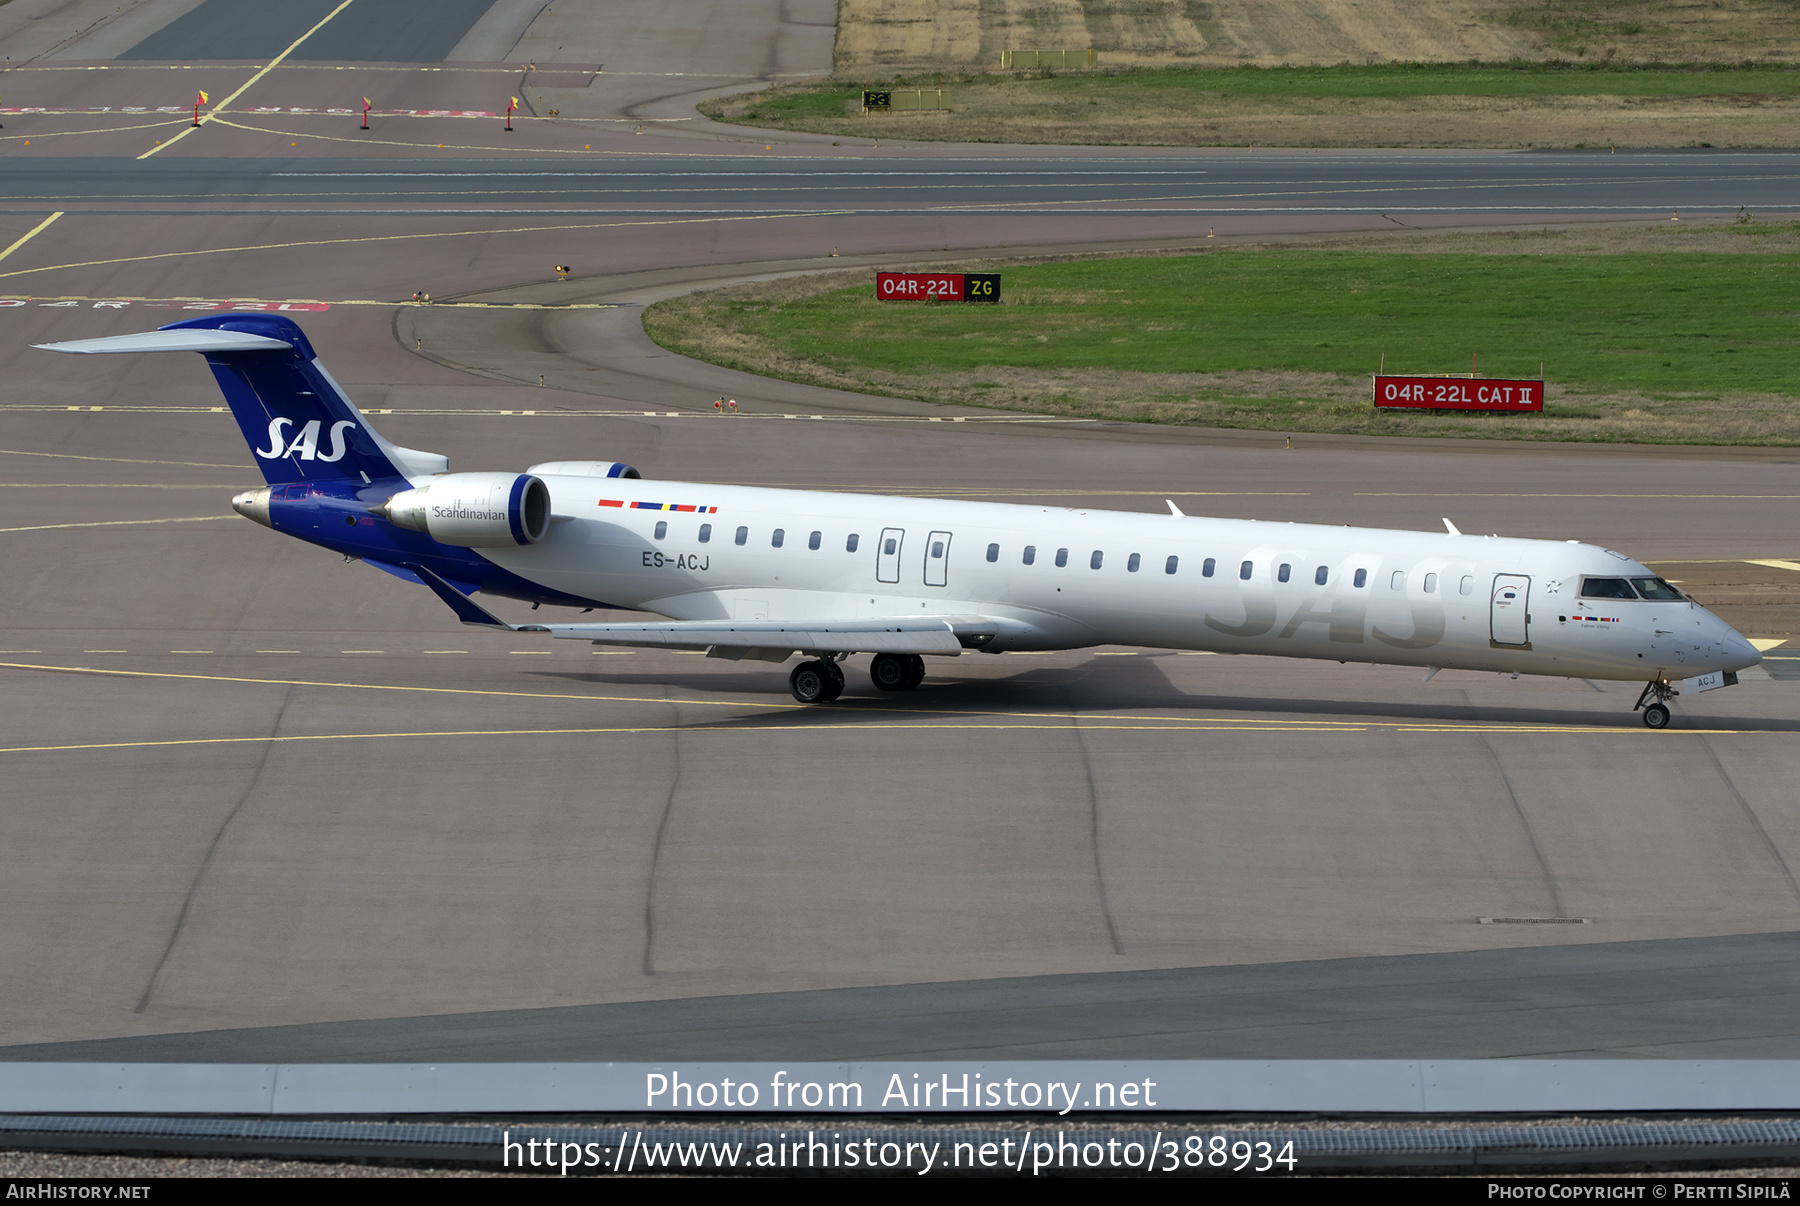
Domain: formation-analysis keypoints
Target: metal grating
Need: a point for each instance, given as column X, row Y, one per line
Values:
column 482, row 1141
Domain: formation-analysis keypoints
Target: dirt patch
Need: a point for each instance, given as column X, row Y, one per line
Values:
column 939, row 35
column 1662, row 31
column 907, row 33
column 960, row 34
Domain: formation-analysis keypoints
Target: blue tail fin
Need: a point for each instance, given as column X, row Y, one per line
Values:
column 297, row 420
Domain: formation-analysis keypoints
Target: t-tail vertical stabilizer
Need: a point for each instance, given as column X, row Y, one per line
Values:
column 294, row 415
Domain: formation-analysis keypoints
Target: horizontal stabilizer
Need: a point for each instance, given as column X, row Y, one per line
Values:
column 178, row 340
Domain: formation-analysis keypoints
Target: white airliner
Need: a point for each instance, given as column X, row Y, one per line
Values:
column 761, row 574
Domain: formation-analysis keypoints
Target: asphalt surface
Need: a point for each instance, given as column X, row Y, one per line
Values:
column 1652, row 1000
column 1487, row 186
column 399, row 31
column 248, row 786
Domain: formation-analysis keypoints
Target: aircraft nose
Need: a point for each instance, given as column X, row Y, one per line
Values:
column 1740, row 654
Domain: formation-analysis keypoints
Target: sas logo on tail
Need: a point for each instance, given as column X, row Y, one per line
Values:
column 305, row 442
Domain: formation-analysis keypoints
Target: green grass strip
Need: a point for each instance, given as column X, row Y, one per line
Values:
column 1657, row 324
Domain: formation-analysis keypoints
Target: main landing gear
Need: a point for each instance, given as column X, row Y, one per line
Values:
column 817, row 682
column 823, row 681
column 897, row 671
column 1656, row 714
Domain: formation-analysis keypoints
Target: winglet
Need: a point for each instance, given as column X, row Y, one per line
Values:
column 1173, row 509
column 1451, row 528
column 467, row 610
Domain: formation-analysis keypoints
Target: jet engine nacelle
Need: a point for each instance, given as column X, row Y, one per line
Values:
column 474, row 510
column 585, row 469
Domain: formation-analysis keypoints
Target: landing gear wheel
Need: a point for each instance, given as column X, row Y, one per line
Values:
column 834, row 681
column 811, row 682
column 1655, row 702
column 918, row 671
column 892, row 672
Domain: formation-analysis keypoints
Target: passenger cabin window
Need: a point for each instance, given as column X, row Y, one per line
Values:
column 1361, row 580
column 1398, row 581
column 743, row 534
column 1321, row 575
column 1468, row 585
column 993, row 552
column 1607, row 588
column 1131, row 563
column 706, row 533
column 662, row 528
column 1094, row 561
column 1431, row 584
column 1030, row 554
column 1284, row 573
column 1207, row 567
column 813, row 541
column 890, row 547
column 1656, row 590
column 779, row 536
column 1244, row 571
column 851, row 543
column 1173, row 563
column 1062, row 558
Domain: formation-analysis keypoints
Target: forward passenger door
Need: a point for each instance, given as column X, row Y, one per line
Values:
column 1507, row 612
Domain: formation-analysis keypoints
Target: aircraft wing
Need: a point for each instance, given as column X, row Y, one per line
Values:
column 766, row 640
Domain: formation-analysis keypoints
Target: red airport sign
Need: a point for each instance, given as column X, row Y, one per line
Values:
column 1459, row 393
column 937, row 286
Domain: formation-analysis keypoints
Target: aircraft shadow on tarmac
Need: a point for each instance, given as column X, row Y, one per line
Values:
column 1138, row 685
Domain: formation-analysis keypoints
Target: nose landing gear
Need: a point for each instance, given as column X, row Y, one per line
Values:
column 1653, row 701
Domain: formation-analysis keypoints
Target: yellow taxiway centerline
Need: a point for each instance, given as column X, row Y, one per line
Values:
column 813, row 731
column 1088, row 721
column 113, row 523
column 247, row 84
column 31, row 234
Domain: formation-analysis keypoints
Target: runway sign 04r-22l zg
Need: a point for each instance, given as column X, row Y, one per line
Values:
column 1459, row 393
column 937, row 286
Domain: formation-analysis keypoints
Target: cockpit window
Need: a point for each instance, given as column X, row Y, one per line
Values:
column 1656, row 589
column 1607, row 588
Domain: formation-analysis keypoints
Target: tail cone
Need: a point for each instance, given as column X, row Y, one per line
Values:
column 253, row 504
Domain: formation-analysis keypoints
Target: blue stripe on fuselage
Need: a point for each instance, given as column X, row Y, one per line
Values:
column 335, row 515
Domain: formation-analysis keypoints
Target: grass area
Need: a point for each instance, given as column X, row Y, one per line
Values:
column 1559, row 77
column 1467, row 104
column 1679, row 339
